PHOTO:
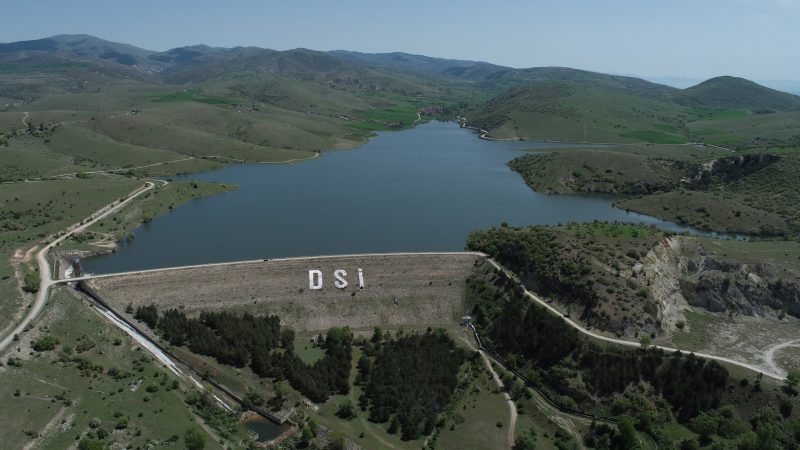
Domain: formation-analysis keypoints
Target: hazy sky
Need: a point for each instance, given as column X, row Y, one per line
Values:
column 756, row 39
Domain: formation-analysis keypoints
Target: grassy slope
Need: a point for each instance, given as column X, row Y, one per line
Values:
column 579, row 112
column 709, row 211
column 613, row 169
column 599, row 108
column 606, row 170
column 27, row 157
column 36, row 411
column 763, row 202
column 33, row 210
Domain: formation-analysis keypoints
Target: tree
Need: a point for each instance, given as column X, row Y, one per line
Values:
column 148, row 315
column 393, row 425
column 527, row 441
column 346, row 409
column 791, row 382
column 45, row 343
column 705, row 425
column 627, row 433
column 90, row 444
column 31, row 282
column 690, row 444
column 194, row 439
column 786, row 407
column 254, row 398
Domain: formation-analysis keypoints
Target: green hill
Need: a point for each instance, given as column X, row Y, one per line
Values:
column 584, row 108
column 731, row 93
column 579, row 106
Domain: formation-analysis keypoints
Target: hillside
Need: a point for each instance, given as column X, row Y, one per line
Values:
column 579, row 106
column 405, row 62
column 552, row 103
column 737, row 93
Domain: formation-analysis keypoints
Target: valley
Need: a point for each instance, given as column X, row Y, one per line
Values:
column 608, row 222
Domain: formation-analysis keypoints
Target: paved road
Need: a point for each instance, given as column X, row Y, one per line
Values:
column 45, row 278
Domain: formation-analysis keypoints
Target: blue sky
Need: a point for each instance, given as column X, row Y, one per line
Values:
column 757, row 39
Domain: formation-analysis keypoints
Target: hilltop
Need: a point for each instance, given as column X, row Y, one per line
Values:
column 732, row 92
column 564, row 104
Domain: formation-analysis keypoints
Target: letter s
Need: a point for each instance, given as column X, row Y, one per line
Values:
column 340, row 282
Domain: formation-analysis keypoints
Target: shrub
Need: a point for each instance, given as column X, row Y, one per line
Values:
column 45, row 343
column 194, row 439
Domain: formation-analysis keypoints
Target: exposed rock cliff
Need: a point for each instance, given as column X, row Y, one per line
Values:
column 682, row 272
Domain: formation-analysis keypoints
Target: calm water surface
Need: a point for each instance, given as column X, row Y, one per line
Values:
column 422, row 189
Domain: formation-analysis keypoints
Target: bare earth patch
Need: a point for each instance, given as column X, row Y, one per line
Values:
column 410, row 290
column 761, row 341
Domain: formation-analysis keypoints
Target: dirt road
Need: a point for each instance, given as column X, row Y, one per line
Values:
column 45, row 276
column 580, row 328
column 512, row 408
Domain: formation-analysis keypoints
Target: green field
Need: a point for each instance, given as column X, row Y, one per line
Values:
column 32, row 211
column 94, row 375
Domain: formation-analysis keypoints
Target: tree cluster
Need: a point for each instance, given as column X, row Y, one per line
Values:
column 409, row 380
column 543, row 345
column 261, row 343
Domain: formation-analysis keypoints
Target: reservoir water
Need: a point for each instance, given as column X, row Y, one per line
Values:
column 422, row 189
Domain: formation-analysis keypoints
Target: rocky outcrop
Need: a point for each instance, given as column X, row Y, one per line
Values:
column 663, row 268
column 682, row 272
column 730, row 168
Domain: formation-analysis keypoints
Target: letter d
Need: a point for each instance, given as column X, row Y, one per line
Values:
column 315, row 279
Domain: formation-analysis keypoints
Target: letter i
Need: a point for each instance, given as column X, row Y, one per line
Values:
column 361, row 278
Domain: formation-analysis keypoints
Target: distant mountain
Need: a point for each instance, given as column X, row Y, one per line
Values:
column 539, row 102
column 454, row 68
column 63, row 63
column 79, row 48
column 733, row 92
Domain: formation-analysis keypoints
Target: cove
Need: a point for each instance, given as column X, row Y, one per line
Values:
column 422, row 189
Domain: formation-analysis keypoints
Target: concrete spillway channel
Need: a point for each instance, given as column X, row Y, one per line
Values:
column 171, row 361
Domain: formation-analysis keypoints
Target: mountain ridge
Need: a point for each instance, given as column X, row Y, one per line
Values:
column 88, row 48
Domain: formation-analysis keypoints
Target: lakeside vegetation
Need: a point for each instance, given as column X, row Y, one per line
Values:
column 704, row 187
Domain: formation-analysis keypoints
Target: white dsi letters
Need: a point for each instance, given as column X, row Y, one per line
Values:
column 340, row 276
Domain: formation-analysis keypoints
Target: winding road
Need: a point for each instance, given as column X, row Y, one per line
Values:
column 45, row 277
column 769, row 355
column 573, row 324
